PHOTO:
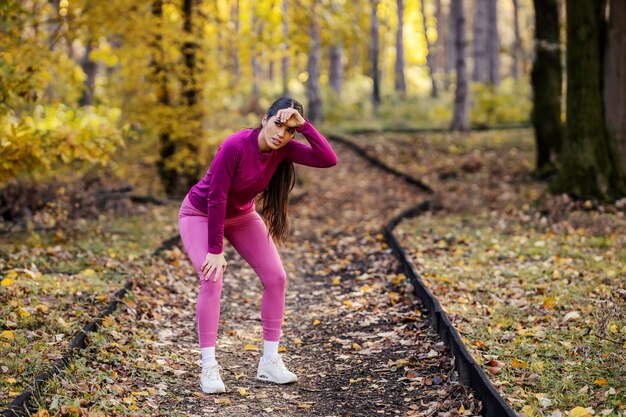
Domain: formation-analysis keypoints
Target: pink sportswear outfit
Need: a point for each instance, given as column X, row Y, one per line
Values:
column 222, row 205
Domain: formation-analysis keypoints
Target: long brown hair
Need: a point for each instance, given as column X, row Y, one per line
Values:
column 275, row 198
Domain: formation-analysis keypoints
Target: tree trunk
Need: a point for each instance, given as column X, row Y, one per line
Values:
column 589, row 168
column 546, row 79
column 451, row 46
column 517, row 43
column 336, row 69
column 254, row 62
column 313, row 90
column 284, row 61
column 374, row 52
column 400, row 84
column 615, row 79
column 90, row 69
column 236, row 66
column 189, row 87
column 479, row 73
column 460, row 120
column 493, row 43
column 169, row 176
column 438, row 46
column 429, row 57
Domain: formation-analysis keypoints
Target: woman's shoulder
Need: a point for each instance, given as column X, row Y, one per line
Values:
column 237, row 140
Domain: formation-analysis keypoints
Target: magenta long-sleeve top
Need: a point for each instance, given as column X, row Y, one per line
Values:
column 240, row 171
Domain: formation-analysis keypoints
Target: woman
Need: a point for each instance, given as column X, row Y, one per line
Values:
column 222, row 205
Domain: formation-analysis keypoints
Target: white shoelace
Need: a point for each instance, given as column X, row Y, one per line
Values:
column 212, row 372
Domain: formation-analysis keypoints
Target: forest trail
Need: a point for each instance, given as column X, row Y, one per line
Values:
column 354, row 333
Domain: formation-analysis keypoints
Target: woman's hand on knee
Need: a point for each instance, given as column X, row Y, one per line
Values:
column 214, row 263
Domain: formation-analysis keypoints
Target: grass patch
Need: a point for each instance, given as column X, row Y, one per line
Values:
column 54, row 282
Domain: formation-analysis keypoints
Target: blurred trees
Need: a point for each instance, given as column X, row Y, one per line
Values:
column 168, row 80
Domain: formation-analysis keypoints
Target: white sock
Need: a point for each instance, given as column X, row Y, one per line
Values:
column 269, row 349
column 208, row 355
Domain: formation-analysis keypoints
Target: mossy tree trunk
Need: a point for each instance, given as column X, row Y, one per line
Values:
column 615, row 79
column 589, row 168
column 546, row 81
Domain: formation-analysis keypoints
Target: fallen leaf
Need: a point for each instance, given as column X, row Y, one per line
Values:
column 250, row 346
column 580, row 412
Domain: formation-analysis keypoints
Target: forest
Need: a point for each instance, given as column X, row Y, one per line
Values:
column 480, row 189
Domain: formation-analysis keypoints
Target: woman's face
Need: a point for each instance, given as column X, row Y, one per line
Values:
column 278, row 134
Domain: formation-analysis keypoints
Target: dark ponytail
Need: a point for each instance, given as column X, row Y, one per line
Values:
column 275, row 198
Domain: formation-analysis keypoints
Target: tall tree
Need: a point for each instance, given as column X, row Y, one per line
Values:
column 450, row 44
column 430, row 61
column 374, row 52
column 400, row 84
column 615, row 79
column 235, row 51
column 493, row 43
column 439, row 45
column 313, row 90
column 588, row 166
column 517, row 43
column 284, row 48
column 479, row 73
column 90, row 69
column 168, row 174
column 546, row 81
column 460, row 120
column 335, row 73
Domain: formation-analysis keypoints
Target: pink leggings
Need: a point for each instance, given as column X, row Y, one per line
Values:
column 248, row 235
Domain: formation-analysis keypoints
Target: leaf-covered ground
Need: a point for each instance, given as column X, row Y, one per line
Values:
column 353, row 332
column 535, row 283
column 51, row 283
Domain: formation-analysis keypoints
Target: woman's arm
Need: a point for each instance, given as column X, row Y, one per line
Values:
column 221, row 173
column 320, row 154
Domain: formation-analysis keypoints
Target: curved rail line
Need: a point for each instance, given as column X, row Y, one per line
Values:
column 469, row 371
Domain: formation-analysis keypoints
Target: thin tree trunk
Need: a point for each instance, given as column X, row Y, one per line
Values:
column 235, row 17
column 493, row 42
column 169, row 176
column 254, row 62
column 189, row 87
column 589, row 168
column 451, row 53
column 434, row 92
column 479, row 73
column 374, row 52
column 460, row 120
column 439, row 46
column 336, row 68
column 517, row 43
column 313, row 90
column 284, row 61
column 546, row 79
column 400, row 84
column 90, row 68
column 615, row 79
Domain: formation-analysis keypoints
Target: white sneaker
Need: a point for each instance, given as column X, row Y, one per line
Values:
column 211, row 381
column 274, row 370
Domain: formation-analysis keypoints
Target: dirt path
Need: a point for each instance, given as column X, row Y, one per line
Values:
column 353, row 331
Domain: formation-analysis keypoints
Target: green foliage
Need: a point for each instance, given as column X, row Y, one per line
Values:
column 509, row 104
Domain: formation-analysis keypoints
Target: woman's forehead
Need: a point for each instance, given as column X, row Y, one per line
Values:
column 291, row 122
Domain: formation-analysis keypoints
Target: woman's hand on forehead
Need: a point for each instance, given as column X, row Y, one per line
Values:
column 290, row 116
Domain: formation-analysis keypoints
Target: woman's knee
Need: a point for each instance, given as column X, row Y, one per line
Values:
column 275, row 279
column 210, row 289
